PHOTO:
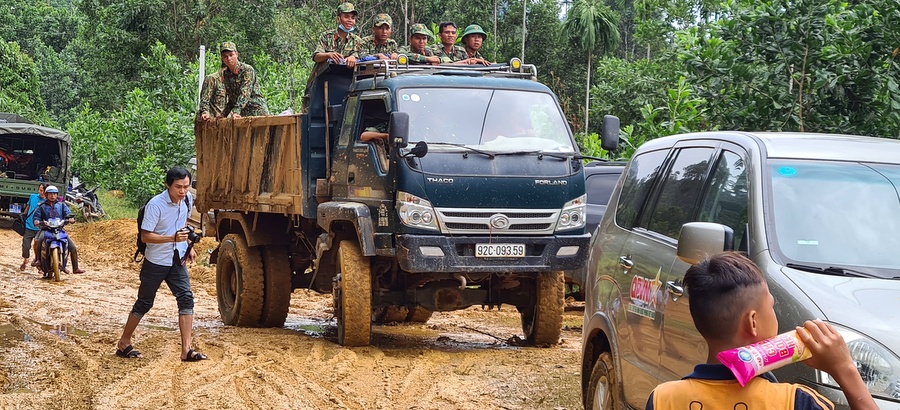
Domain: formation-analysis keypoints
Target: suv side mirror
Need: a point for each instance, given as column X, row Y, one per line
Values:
column 700, row 240
column 609, row 139
column 399, row 129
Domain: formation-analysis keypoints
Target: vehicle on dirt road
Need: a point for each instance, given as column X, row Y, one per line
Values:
column 476, row 198
column 55, row 249
column 817, row 213
column 29, row 154
column 86, row 201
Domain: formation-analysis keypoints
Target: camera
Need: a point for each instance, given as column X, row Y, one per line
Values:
column 193, row 236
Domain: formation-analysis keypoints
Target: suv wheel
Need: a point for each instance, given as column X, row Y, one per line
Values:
column 603, row 391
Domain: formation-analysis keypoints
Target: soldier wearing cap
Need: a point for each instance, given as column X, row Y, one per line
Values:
column 473, row 38
column 213, row 96
column 418, row 51
column 242, row 94
column 447, row 50
column 380, row 44
column 340, row 46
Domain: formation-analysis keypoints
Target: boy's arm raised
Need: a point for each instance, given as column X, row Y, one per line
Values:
column 831, row 355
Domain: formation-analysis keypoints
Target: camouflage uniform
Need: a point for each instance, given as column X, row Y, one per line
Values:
column 456, row 54
column 330, row 41
column 244, row 97
column 369, row 48
column 213, row 96
column 416, row 57
column 474, row 29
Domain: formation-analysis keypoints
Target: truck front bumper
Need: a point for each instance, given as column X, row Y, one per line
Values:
column 435, row 253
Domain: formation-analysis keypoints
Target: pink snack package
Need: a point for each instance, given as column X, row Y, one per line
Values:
column 749, row 361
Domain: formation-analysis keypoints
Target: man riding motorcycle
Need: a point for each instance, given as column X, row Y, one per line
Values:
column 52, row 207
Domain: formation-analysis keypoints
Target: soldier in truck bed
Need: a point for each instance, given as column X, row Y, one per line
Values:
column 380, row 44
column 212, row 96
column 242, row 89
column 418, row 51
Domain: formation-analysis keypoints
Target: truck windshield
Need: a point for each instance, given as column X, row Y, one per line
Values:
column 489, row 120
column 837, row 214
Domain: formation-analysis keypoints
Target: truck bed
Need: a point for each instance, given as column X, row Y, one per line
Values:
column 249, row 164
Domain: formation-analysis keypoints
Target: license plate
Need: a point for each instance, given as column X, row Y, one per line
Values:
column 15, row 208
column 499, row 250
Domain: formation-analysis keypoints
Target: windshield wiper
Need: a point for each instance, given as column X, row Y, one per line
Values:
column 832, row 270
column 488, row 154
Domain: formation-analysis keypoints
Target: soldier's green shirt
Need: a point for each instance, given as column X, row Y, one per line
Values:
column 414, row 57
column 330, row 41
column 456, row 54
column 213, row 96
column 243, row 95
column 476, row 55
column 369, row 48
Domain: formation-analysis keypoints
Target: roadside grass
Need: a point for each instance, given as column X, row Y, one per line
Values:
column 116, row 206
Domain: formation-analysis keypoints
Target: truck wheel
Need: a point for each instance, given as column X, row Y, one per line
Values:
column 239, row 282
column 542, row 321
column 603, row 391
column 278, row 286
column 353, row 296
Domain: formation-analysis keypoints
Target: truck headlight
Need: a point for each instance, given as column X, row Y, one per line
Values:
column 415, row 212
column 878, row 366
column 572, row 216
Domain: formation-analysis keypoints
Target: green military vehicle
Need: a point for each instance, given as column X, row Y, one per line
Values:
column 29, row 155
column 475, row 197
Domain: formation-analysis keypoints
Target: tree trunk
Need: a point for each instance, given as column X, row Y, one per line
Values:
column 587, row 94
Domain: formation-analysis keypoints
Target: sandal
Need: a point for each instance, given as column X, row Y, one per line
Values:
column 129, row 353
column 23, row 266
column 194, row 356
column 78, row 271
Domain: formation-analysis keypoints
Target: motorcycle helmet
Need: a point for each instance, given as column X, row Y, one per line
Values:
column 52, row 189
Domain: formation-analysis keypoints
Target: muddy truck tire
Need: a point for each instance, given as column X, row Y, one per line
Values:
column 277, row 299
column 353, row 296
column 239, row 282
column 542, row 321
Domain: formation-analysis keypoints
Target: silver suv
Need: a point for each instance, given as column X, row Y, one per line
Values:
column 820, row 215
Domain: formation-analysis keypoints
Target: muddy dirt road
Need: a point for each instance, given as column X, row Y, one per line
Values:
column 57, row 343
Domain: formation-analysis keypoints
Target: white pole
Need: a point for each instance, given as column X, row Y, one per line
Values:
column 524, row 9
column 202, row 73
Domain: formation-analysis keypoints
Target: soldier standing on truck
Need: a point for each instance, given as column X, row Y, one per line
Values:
column 473, row 38
column 447, row 50
column 380, row 44
column 243, row 97
column 418, row 51
column 340, row 46
column 213, row 96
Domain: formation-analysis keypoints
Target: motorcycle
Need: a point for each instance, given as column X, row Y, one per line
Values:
column 87, row 202
column 55, row 248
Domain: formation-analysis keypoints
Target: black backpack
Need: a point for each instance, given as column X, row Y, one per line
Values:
column 141, row 246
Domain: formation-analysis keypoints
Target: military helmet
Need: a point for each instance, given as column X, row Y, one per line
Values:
column 473, row 29
column 346, row 7
column 383, row 18
column 421, row 29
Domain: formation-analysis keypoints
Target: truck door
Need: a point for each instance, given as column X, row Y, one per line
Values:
column 650, row 251
column 725, row 201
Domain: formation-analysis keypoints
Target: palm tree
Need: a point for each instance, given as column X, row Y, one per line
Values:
column 591, row 25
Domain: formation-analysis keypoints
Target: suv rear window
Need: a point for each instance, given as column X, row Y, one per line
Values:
column 639, row 179
column 680, row 191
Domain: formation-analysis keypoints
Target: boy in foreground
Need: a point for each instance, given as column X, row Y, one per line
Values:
column 731, row 307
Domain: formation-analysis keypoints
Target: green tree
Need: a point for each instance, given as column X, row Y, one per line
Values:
column 592, row 27
column 19, row 84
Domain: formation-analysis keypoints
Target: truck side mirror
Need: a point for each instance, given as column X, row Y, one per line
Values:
column 609, row 140
column 399, row 129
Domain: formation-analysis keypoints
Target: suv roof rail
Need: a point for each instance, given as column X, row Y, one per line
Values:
column 392, row 68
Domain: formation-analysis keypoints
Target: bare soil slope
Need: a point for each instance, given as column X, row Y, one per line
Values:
column 57, row 343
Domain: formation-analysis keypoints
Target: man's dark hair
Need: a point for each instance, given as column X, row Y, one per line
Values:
column 444, row 25
column 719, row 289
column 176, row 173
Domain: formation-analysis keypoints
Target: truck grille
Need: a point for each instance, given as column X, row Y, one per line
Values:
column 505, row 221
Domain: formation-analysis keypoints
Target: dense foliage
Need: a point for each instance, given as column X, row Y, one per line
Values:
column 122, row 76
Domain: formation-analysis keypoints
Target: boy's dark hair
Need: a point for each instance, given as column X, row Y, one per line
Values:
column 444, row 25
column 719, row 289
column 176, row 173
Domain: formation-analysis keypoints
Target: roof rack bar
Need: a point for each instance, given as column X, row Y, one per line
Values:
column 390, row 68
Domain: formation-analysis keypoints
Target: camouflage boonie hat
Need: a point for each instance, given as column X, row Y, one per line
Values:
column 383, row 19
column 421, row 29
column 473, row 29
column 346, row 7
column 227, row 46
